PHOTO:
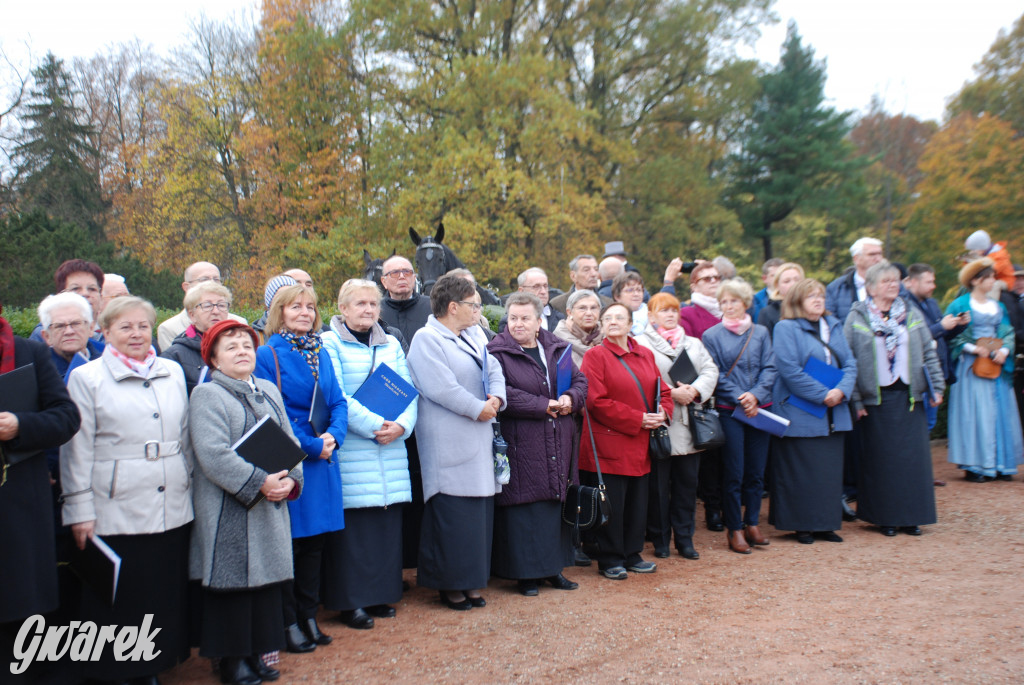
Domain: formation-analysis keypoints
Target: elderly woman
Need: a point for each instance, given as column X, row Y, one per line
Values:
column 628, row 289
column 788, row 275
column 581, row 326
column 984, row 430
column 531, row 542
column 808, row 461
column 363, row 562
column 295, row 361
column 894, row 351
column 66, row 320
column 28, row 564
column 703, row 311
column 742, row 350
column 126, row 476
column 673, row 482
column 623, row 387
column 461, row 392
column 205, row 304
column 241, row 555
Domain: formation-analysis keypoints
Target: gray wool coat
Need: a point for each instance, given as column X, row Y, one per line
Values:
column 234, row 549
column 455, row 449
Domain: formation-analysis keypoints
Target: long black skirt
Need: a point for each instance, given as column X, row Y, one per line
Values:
column 530, row 541
column 455, row 543
column 241, row 623
column 153, row 580
column 807, row 482
column 896, row 484
column 363, row 562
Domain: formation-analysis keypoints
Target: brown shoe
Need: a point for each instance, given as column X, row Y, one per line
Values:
column 754, row 536
column 737, row 543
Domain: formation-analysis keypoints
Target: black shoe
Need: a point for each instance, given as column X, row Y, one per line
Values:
column 464, row 605
column 528, row 587
column 661, row 553
column 476, row 602
column 236, row 671
column 295, row 640
column 1004, row 476
column 804, row 537
column 888, row 531
column 356, row 618
column 714, row 521
column 687, row 551
column 828, row 536
column 145, row 680
column 911, row 530
column 381, row 611
column 312, row 631
column 560, row 582
column 582, row 559
column 972, row 477
column 849, row 514
column 261, row 669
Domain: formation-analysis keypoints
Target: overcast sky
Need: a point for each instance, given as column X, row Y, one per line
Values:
column 914, row 54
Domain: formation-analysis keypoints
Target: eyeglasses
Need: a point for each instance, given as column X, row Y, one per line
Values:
column 209, row 306
column 204, row 279
column 475, row 306
column 58, row 328
column 537, row 288
column 78, row 290
column 633, row 291
column 709, row 279
column 399, row 273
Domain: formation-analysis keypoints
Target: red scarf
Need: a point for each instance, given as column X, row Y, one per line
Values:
column 6, row 345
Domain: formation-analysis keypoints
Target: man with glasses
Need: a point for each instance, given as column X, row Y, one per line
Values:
column 402, row 307
column 584, row 275
column 200, row 272
column 535, row 282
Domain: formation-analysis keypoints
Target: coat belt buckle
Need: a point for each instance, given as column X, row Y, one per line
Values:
column 155, row 444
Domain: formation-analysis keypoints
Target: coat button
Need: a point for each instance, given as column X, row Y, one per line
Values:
column 259, row 399
column 160, row 489
column 156, row 415
column 146, row 384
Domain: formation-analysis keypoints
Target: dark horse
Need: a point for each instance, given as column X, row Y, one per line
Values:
column 374, row 267
column 434, row 259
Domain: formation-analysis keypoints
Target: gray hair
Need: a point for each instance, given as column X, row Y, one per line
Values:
column 578, row 295
column 738, row 288
column 117, row 307
column 521, row 279
column 574, row 263
column 525, row 298
column 351, row 286
column 51, row 303
column 726, row 269
column 113, row 278
column 860, row 243
column 875, row 272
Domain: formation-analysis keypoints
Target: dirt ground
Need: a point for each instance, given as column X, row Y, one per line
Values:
column 944, row 607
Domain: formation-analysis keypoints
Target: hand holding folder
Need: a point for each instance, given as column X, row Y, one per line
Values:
column 827, row 375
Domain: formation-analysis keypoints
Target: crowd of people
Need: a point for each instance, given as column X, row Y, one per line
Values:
column 133, row 438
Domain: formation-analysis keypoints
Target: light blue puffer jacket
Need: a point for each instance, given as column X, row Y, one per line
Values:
column 372, row 475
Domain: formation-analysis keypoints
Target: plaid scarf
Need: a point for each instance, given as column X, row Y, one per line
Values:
column 888, row 328
column 309, row 346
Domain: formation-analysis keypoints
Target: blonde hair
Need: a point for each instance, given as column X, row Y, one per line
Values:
column 738, row 289
column 788, row 266
column 350, row 287
column 117, row 307
column 284, row 297
column 793, row 302
column 195, row 294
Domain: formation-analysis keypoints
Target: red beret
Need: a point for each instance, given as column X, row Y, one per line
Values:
column 218, row 329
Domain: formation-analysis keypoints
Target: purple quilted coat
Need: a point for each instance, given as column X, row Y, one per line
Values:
column 539, row 447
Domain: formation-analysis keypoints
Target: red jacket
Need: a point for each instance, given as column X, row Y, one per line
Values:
column 616, row 409
column 695, row 320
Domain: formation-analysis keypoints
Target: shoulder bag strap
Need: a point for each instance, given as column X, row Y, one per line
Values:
column 593, row 446
column 742, row 350
column 638, row 386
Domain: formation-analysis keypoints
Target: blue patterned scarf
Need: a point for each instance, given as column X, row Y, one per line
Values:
column 309, row 346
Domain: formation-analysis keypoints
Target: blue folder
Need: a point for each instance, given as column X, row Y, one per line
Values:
column 763, row 420
column 385, row 393
column 827, row 375
column 564, row 367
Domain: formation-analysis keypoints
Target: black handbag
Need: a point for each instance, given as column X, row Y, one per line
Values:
column 659, row 442
column 585, row 506
column 705, row 427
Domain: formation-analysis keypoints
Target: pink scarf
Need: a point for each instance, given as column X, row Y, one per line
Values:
column 143, row 368
column 674, row 336
column 738, row 326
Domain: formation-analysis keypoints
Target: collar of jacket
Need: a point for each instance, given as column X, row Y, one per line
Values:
column 402, row 304
column 504, row 342
column 120, row 372
column 377, row 334
column 618, row 351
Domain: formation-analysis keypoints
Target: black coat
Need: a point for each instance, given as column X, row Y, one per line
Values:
column 28, row 562
column 408, row 316
column 187, row 351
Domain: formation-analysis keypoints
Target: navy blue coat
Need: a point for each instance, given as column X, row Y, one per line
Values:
column 933, row 317
column 319, row 509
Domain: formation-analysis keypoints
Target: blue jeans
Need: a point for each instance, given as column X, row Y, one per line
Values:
column 743, row 459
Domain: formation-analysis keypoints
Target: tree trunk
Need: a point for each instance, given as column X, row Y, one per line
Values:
column 766, row 239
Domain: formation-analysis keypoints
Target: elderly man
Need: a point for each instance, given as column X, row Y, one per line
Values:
column 113, row 286
column 584, row 275
column 402, row 307
column 535, row 281
column 608, row 269
column 66, row 320
column 849, row 288
column 197, row 273
column 301, row 277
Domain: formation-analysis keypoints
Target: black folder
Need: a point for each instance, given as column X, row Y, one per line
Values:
column 269, row 447
column 99, row 567
column 18, row 393
column 682, row 370
column 319, row 412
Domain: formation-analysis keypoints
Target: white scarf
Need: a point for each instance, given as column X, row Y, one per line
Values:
column 707, row 302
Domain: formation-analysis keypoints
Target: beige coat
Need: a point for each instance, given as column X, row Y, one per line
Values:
column 105, row 472
column 707, row 377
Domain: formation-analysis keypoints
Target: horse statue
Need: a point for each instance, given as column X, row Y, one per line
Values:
column 434, row 259
column 374, row 267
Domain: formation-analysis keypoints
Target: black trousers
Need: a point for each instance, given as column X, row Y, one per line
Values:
column 672, row 499
column 621, row 541
column 412, row 513
column 709, row 480
column 302, row 595
column 851, row 458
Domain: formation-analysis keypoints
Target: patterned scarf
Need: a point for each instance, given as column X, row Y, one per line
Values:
column 6, row 345
column 309, row 346
column 674, row 336
column 588, row 339
column 144, row 368
column 888, row 328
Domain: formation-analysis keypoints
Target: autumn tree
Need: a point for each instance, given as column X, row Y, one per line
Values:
column 794, row 153
column 998, row 86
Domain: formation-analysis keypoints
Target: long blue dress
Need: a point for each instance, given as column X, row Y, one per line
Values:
column 984, row 425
